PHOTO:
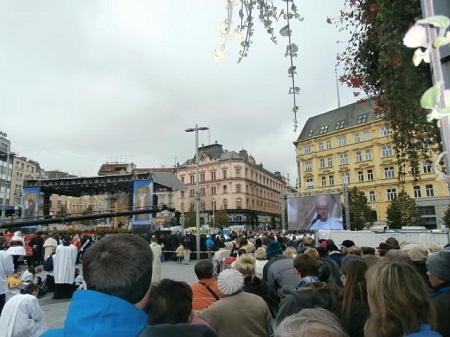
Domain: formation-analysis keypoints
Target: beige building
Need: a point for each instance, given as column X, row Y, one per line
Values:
column 232, row 181
column 22, row 169
column 351, row 147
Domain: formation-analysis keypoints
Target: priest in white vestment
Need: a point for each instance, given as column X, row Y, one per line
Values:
column 22, row 316
column 64, row 269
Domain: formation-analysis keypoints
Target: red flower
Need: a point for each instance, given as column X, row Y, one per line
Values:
column 373, row 8
column 396, row 60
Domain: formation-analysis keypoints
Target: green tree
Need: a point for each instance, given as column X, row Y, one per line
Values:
column 190, row 218
column 62, row 210
column 376, row 62
column 360, row 212
column 446, row 218
column 91, row 222
column 221, row 218
column 403, row 211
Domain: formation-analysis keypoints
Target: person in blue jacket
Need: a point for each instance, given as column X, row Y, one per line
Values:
column 118, row 272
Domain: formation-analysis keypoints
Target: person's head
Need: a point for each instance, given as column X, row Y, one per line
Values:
column 321, row 205
column 305, row 265
column 30, row 203
column 382, row 249
column 242, row 241
column 204, row 269
column 230, row 282
column 290, row 252
column 371, row 259
column 169, row 302
column 246, row 265
column 16, row 273
column 367, row 250
column 438, row 265
column 31, row 289
column 312, row 252
column 315, row 322
column 274, row 249
column 397, row 255
column 398, row 300
column 3, row 241
column 345, row 245
column 307, row 241
column 393, row 242
column 153, row 239
column 120, row 265
column 353, row 277
column 241, row 251
column 260, row 254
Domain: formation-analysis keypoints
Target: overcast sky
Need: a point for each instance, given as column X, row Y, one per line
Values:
column 83, row 82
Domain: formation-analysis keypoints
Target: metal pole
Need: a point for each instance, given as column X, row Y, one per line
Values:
column 197, row 192
column 197, row 196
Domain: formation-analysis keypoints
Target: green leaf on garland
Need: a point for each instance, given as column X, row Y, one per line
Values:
column 430, row 97
column 440, row 21
column 284, row 31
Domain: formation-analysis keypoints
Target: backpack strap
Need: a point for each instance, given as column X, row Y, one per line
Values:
column 210, row 290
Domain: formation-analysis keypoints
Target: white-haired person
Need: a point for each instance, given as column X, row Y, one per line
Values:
column 317, row 322
column 323, row 219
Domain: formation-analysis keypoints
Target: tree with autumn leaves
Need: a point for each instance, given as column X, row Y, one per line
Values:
column 377, row 64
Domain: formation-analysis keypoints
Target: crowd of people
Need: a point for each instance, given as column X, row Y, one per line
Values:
column 258, row 285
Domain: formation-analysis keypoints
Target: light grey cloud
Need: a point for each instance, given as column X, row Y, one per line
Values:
column 84, row 81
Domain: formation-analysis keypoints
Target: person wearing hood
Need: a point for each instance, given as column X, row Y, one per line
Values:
column 118, row 272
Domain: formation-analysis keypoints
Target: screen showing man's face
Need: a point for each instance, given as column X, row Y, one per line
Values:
column 322, row 210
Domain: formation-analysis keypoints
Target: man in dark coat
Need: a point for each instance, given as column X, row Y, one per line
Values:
column 37, row 246
column 309, row 292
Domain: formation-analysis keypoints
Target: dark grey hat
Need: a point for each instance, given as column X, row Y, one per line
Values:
column 439, row 264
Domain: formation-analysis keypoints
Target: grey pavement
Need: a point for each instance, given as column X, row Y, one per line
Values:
column 55, row 310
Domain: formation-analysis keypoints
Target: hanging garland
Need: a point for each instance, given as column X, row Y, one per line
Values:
column 267, row 14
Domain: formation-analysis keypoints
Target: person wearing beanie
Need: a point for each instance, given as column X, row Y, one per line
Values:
column 239, row 313
column 277, row 272
column 438, row 265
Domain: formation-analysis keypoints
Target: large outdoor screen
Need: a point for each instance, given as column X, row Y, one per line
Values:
column 315, row 212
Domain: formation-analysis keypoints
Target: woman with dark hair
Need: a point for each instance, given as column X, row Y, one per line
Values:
column 353, row 296
column 399, row 302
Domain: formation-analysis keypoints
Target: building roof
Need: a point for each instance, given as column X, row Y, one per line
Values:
column 115, row 183
column 338, row 119
column 216, row 152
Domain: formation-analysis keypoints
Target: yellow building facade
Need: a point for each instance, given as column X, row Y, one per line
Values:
column 352, row 147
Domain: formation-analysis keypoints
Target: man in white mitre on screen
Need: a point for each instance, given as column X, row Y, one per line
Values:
column 323, row 220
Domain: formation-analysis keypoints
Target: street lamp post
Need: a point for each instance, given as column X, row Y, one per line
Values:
column 197, row 192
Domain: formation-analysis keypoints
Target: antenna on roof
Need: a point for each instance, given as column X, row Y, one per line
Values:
column 337, row 89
